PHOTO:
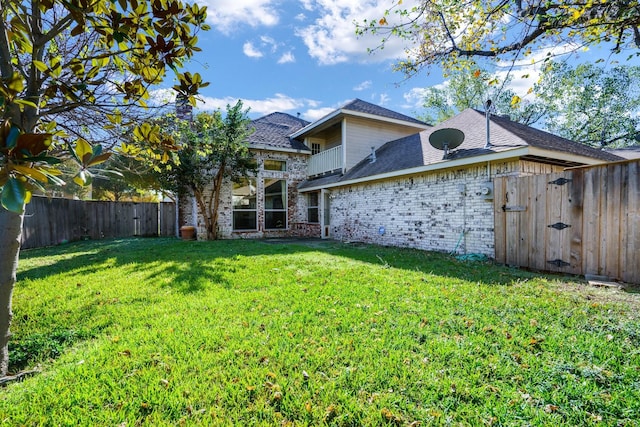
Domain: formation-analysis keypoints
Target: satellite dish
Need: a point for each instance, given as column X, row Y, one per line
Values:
column 446, row 139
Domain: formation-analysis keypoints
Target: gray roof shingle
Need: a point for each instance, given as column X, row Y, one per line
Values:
column 361, row 106
column 416, row 151
column 273, row 131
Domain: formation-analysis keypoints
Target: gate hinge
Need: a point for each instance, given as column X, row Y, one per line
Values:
column 560, row 181
column 559, row 225
column 558, row 263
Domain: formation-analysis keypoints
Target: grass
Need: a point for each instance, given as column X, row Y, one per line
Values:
column 164, row 332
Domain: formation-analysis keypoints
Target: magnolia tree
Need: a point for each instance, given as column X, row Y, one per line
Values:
column 214, row 150
column 74, row 73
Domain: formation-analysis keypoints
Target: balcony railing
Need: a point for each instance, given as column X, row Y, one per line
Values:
column 326, row 161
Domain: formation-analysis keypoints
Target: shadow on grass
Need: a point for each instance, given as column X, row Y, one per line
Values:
column 195, row 265
column 189, row 268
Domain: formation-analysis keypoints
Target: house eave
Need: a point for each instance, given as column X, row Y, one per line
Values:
column 264, row 147
column 339, row 114
column 515, row 153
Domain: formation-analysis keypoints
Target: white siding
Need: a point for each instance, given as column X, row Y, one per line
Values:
column 362, row 134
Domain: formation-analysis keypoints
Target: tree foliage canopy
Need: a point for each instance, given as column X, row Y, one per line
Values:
column 586, row 103
column 75, row 72
column 214, row 149
column 441, row 32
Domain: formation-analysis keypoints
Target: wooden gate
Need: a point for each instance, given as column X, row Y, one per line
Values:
column 581, row 221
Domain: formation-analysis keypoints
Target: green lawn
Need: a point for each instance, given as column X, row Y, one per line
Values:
column 165, row 332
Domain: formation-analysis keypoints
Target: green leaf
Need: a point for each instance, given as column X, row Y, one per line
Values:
column 25, row 102
column 12, row 138
column 40, row 65
column 14, row 195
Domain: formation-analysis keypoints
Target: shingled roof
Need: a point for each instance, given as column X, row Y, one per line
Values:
column 272, row 132
column 363, row 109
column 415, row 151
column 360, row 106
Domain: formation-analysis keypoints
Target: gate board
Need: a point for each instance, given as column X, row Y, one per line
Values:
column 588, row 224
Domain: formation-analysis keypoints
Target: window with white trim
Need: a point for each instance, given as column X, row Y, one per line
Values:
column 275, row 165
column 313, row 207
column 245, row 215
column 275, row 204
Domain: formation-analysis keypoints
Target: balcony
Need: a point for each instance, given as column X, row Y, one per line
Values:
column 325, row 161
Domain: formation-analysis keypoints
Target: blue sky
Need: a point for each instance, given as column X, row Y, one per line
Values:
column 302, row 56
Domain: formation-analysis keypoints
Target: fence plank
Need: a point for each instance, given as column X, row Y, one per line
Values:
column 538, row 215
column 576, row 202
column 499, row 226
column 631, row 267
column 511, row 222
column 523, row 237
column 51, row 221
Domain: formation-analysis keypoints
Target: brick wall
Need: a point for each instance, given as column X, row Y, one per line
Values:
column 441, row 211
column 296, row 210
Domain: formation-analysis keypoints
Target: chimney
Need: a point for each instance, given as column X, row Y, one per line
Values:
column 184, row 110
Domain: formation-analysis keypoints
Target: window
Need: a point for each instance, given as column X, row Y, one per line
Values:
column 275, row 165
column 312, row 208
column 275, row 204
column 244, row 205
column 315, row 148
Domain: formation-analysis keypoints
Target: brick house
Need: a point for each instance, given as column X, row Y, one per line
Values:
column 368, row 174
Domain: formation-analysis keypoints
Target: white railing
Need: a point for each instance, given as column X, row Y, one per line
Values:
column 325, row 161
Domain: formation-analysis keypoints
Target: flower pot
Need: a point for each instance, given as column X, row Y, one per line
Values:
column 188, row 232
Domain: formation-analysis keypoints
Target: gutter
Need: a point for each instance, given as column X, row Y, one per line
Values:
column 467, row 161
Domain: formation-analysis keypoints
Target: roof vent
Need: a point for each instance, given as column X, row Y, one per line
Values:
column 372, row 158
column 487, row 111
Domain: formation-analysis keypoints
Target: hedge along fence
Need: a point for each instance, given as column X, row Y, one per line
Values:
column 52, row 221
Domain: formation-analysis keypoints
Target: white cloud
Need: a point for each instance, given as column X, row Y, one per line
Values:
column 314, row 114
column 525, row 71
column 286, row 58
column 383, row 99
column 227, row 15
column 362, row 86
column 269, row 42
column 279, row 102
column 251, row 51
column 162, row 96
column 331, row 39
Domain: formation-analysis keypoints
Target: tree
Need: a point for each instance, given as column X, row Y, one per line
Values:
column 214, row 150
column 443, row 31
column 74, row 71
column 471, row 87
column 587, row 103
column 591, row 105
column 135, row 180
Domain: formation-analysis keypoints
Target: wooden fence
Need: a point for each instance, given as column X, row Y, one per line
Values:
column 51, row 221
column 581, row 221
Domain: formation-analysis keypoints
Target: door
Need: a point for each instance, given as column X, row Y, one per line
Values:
column 326, row 214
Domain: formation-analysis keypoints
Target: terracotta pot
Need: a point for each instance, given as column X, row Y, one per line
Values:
column 188, row 232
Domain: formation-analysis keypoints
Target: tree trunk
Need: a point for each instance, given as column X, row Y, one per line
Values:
column 10, row 232
column 215, row 202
